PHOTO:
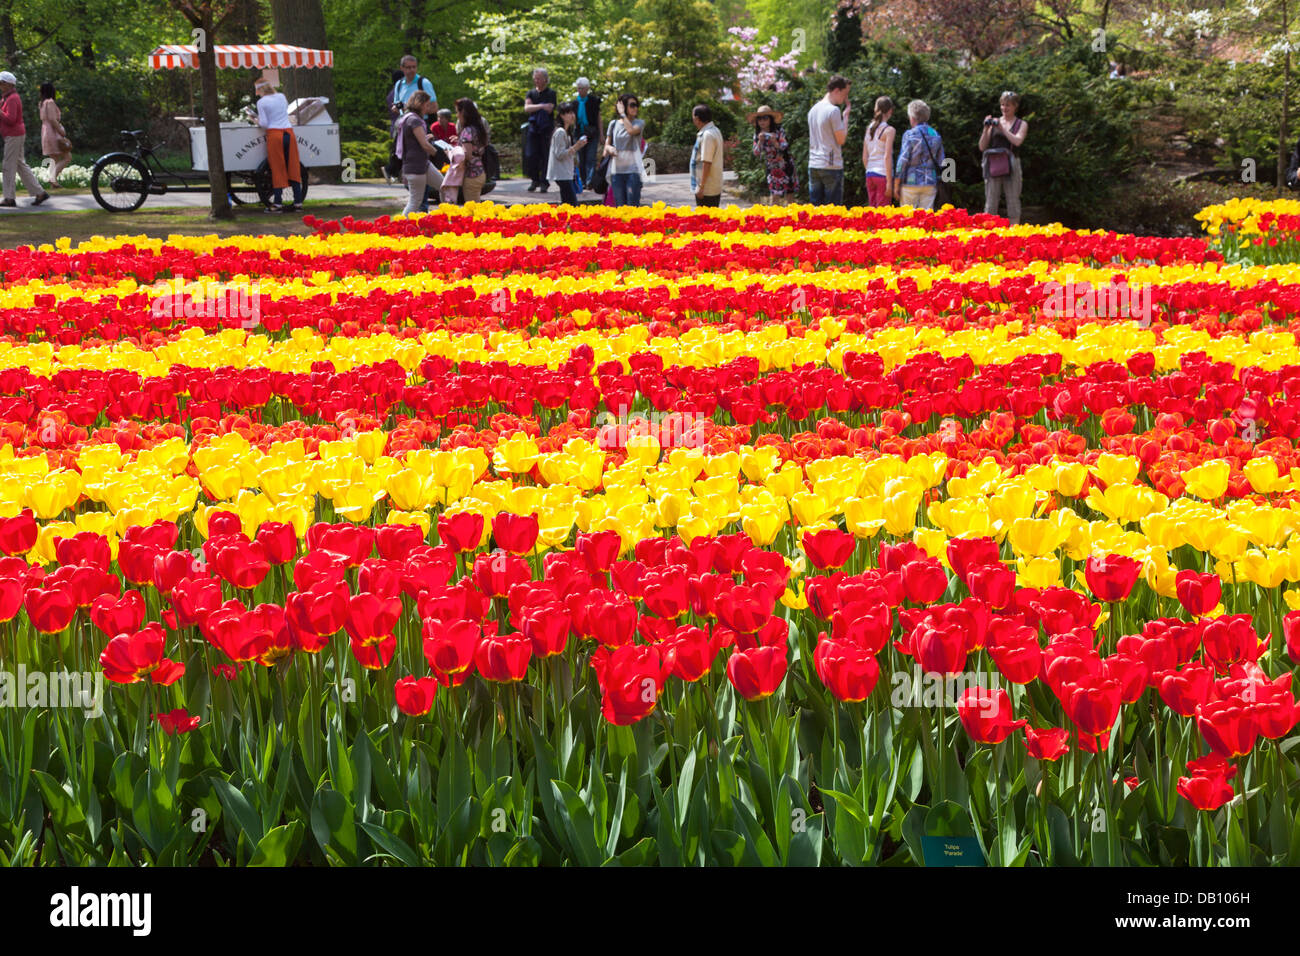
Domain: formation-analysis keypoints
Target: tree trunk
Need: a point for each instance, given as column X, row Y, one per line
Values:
column 8, row 36
column 212, row 120
column 302, row 23
column 1284, row 134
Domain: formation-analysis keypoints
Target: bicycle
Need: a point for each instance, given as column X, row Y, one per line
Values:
column 121, row 181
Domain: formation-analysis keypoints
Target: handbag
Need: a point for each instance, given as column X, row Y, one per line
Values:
column 600, row 177
column 997, row 163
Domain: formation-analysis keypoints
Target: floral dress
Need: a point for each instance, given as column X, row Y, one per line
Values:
column 771, row 147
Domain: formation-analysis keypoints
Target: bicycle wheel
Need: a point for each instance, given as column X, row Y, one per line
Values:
column 249, row 187
column 120, row 182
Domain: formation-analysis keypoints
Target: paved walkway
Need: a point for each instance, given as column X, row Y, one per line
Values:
column 673, row 189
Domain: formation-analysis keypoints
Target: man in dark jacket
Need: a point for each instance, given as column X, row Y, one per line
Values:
column 540, row 105
column 587, row 106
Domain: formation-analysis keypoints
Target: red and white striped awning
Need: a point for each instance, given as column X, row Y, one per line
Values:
column 251, row 56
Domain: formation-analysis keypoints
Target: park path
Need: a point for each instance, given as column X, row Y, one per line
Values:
column 672, row 189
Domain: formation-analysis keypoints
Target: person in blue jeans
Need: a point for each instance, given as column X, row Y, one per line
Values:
column 623, row 146
column 828, row 127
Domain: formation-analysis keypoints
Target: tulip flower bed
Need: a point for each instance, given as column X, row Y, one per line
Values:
column 1255, row 231
column 507, row 536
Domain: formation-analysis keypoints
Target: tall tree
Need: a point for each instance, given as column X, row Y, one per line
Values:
column 302, row 23
column 207, row 16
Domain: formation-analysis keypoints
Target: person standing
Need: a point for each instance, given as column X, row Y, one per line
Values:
column 771, row 145
column 878, row 154
column 14, row 132
column 623, row 145
column 416, row 150
column 588, row 124
column 540, row 105
column 706, row 159
column 1000, row 143
column 281, row 145
column 54, row 138
column 445, row 128
column 920, row 160
column 828, row 127
column 409, row 82
column 472, row 137
column 563, row 152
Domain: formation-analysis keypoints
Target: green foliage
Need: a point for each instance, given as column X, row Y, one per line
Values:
column 679, row 130
column 781, row 18
column 1080, row 129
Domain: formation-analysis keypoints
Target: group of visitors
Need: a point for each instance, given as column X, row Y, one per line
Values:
column 912, row 180
column 431, row 154
column 54, row 141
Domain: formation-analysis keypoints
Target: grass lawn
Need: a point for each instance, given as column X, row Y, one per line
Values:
column 159, row 223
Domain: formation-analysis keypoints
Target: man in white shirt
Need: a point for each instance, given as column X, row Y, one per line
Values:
column 828, row 127
column 706, row 159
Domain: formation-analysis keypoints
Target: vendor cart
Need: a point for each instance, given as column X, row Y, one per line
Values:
column 121, row 181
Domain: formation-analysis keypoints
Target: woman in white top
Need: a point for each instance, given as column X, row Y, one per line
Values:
column 560, row 167
column 623, row 144
column 281, row 144
column 878, row 154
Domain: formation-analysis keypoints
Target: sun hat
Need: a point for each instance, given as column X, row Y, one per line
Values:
column 765, row 111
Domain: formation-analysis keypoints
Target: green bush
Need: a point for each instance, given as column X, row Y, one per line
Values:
column 369, row 153
column 1081, row 130
column 679, row 130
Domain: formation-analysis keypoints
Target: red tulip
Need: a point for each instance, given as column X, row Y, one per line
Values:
column 1205, row 792
column 848, row 670
column 547, row 626
column 1291, row 631
column 924, row 582
column 515, row 533
column 1093, row 704
column 940, row 650
column 631, row 678
column 1231, row 639
column 828, row 548
column 279, row 542
column 129, row 658
column 18, row 534
column 992, row 584
column 449, row 645
column 689, row 652
column 1112, row 578
column 600, row 550
column 1183, row 691
column 1198, row 593
column 118, row 616
column 1049, row 744
column 176, row 721
column 757, row 673
column 1228, row 726
column 966, row 554
column 986, row 715
column 415, row 695
column 503, row 658
column 50, row 611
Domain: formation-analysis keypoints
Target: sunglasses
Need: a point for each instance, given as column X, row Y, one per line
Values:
column 633, row 106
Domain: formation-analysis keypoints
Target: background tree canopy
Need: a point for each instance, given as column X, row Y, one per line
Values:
column 1207, row 87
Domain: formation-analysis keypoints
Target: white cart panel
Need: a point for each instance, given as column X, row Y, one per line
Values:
column 243, row 147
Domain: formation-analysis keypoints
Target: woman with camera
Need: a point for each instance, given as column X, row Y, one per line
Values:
column 999, row 142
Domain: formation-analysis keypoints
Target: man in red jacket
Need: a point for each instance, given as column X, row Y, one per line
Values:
column 14, row 132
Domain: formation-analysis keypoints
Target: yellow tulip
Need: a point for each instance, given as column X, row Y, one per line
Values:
column 1208, row 481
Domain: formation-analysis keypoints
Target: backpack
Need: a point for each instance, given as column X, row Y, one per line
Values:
column 419, row 85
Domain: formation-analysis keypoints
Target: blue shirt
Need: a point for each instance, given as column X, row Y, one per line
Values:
column 915, row 167
column 403, row 89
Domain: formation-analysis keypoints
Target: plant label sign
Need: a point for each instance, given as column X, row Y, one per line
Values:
column 952, row 851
